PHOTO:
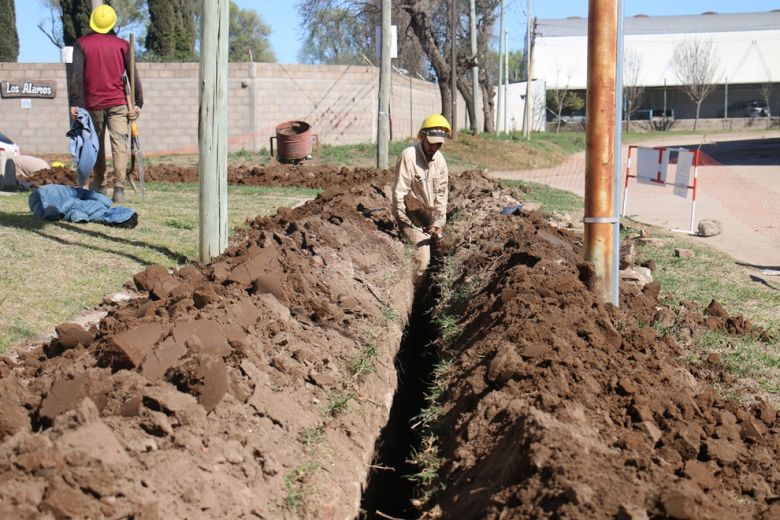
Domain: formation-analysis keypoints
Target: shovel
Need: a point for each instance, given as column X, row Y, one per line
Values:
column 136, row 155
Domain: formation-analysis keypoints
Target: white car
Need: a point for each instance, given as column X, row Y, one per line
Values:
column 7, row 145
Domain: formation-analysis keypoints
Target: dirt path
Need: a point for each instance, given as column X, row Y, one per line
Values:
column 744, row 198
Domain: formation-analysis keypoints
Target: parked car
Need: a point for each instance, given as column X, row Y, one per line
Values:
column 574, row 117
column 752, row 108
column 647, row 114
column 7, row 145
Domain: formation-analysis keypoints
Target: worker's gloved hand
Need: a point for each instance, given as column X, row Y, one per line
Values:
column 133, row 114
column 434, row 231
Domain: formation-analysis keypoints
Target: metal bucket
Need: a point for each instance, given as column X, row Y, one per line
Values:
column 293, row 140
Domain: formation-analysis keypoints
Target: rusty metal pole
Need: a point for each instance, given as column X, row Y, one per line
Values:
column 600, row 147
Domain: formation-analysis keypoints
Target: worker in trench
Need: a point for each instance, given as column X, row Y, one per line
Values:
column 420, row 191
column 101, row 64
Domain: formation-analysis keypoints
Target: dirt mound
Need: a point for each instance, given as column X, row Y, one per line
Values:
column 224, row 391
column 256, row 385
column 559, row 405
column 307, row 176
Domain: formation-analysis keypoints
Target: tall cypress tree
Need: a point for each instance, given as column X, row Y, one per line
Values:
column 171, row 32
column 9, row 38
column 75, row 19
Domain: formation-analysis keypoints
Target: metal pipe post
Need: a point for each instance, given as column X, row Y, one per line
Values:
column 615, row 266
column 600, row 148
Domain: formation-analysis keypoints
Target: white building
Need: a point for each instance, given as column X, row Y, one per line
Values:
column 747, row 46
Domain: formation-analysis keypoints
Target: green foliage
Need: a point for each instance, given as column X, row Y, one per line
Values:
column 249, row 34
column 295, row 483
column 563, row 101
column 9, row 38
column 75, row 19
column 338, row 402
column 551, row 199
column 334, row 36
column 171, row 32
column 131, row 17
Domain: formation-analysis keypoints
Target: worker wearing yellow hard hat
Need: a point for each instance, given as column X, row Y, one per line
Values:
column 101, row 63
column 421, row 189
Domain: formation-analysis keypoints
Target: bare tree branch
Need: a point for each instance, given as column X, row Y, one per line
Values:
column 632, row 90
column 696, row 66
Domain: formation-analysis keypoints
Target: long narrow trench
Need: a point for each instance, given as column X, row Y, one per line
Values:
column 390, row 490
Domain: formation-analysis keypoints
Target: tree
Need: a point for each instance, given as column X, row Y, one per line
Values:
column 424, row 38
column 336, row 36
column 75, row 19
column 171, row 32
column 131, row 17
column 766, row 91
column 632, row 90
column 248, row 36
column 562, row 99
column 696, row 66
column 9, row 38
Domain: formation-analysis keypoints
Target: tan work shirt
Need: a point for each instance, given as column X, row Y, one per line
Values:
column 421, row 188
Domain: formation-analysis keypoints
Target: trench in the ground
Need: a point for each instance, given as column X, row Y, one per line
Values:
column 390, row 490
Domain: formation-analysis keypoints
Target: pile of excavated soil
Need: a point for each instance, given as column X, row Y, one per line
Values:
column 559, row 405
column 255, row 386
column 252, row 387
column 305, row 175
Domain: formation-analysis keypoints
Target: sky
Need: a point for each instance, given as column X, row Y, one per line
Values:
column 282, row 17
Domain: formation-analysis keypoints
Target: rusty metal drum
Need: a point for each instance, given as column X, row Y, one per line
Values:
column 293, row 141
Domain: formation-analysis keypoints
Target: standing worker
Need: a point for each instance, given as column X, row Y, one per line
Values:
column 420, row 190
column 101, row 66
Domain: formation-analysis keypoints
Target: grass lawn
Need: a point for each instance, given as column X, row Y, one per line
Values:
column 51, row 271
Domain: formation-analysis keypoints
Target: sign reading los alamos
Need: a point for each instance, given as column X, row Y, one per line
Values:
column 28, row 89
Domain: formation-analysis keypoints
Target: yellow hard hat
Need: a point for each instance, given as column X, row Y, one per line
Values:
column 434, row 121
column 57, row 164
column 103, row 19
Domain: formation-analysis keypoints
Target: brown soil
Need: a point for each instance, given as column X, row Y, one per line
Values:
column 307, row 176
column 561, row 406
column 218, row 393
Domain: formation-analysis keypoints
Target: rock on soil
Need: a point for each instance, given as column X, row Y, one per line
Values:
column 230, row 390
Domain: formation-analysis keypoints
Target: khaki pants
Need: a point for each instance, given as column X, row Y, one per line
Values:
column 27, row 165
column 422, row 250
column 115, row 120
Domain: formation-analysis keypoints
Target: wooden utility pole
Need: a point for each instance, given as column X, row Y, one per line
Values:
column 529, row 42
column 383, row 117
column 506, row 81
column 500, row 94
column 213, row 128
column 475, row 67
column 600, row 142
column 453, row 68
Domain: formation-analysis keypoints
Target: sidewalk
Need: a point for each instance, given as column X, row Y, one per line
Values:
column 745, row 199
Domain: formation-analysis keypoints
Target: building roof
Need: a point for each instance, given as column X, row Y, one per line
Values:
column 642, row 24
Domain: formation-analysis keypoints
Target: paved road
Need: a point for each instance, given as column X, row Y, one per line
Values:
column 740, row 189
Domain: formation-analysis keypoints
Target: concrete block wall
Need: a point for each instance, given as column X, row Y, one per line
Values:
column 339, row 102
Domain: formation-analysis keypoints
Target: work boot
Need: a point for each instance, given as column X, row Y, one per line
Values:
column 100, row 189
column 119, row 194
